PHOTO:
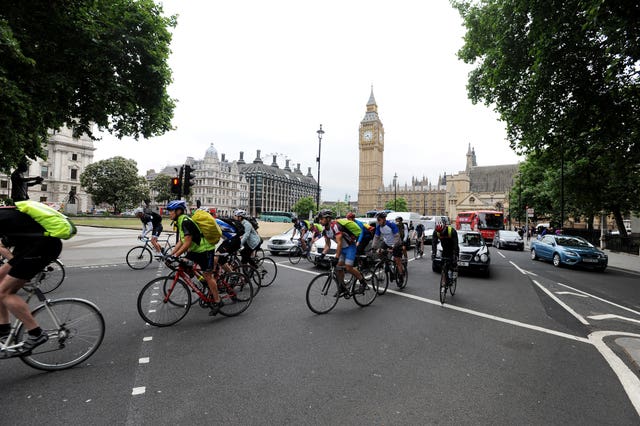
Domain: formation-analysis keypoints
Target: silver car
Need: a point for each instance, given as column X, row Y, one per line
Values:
column 281, row 244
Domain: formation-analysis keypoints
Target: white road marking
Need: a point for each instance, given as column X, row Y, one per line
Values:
column 600, row 299
column 611, row 316
column 298, row 269
column 628, row 379
column 139, row 390
column 561, row 303
column 571, row 293
column 523, row 271
column 151, row 311
column 144, row 360
column 503, row 256
column 147, row 339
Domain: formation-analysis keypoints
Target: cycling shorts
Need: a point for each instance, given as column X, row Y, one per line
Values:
column 157, row 230
column 397, row 250
column 203, row 259
column 31, row 257
column 228, row 246
column 348, row 255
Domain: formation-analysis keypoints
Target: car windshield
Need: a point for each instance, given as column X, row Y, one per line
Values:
column 490, row 220
column 470, row 240
column 509, row 234
column 572, row 242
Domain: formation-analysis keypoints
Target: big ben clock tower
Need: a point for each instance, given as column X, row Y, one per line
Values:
column 371, row 154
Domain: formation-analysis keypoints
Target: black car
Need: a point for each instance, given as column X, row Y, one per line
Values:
column 508, row 240
column 474, row 253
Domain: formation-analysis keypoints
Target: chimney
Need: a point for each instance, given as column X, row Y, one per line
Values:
column 297, row 170
column 241, row 160
column 275, row 164
column 309, row 173
column 287, row 168
column 223, row 160
column 258, row 160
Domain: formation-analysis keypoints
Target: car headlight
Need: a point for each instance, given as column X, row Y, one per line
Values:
column 484, row 258
column 476, row 258
column 570, row 253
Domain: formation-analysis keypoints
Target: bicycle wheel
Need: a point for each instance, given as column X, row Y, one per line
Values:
column 254, row 275
column 295, row 254
column 416, row 251
column 259, row 253
column 160, row 307
column 238, row 294
column 51, row 277
column 168, row 282
column 322, row 293
column 370, row 292
column 268, row 270
column 383, row 278
column 78, row 336
column 443, row 285
column 452, row 287
column 139, row 257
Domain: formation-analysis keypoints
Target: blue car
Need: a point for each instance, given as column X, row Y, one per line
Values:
column 568, row 250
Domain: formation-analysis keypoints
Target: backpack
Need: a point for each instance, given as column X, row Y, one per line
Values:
column 55, row 224
column 350, row 226
column 236, row 224
column 253, row 222
column 207, row 225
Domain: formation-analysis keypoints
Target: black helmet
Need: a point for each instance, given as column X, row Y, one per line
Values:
column 382, row 215
column 325, row 213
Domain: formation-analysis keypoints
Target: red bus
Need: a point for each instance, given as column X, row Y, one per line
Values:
column 485, row 221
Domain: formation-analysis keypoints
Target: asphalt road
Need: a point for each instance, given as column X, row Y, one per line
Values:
column 502, row 351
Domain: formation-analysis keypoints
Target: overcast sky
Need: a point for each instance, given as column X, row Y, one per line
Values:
column 263, row 75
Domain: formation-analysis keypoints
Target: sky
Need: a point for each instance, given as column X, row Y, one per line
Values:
column 253, row 74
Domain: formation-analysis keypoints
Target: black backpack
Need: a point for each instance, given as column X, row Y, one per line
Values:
column 236, row 224
column 253, row 222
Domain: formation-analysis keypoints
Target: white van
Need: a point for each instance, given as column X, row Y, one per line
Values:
column 410, row 218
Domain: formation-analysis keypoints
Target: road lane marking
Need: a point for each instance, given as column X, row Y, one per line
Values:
column 612, row 316
column 571, row 293
column 523, row 271
column 147, row 339
column 601, row 299
column 561, row 303
column 298, row 269
column 628, row 379
column 139, row 390
column 144, row 360
column 503, row 256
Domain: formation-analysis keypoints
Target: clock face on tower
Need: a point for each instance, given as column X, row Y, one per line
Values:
column 367, row 135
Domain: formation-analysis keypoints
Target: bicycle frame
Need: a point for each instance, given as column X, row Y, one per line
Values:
column 181, row 273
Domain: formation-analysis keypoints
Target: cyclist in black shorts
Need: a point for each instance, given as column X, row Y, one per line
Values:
column 32, row 252
column 420, row 238
column 150, row 222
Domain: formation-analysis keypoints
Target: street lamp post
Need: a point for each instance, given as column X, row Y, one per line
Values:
column 320, row 132
column 395, row 191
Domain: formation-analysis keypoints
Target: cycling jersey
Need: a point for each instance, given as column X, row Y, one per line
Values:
column 152, row 217
column 448, row 240
column 419, row 230
column 388, row 232
column 336, row 228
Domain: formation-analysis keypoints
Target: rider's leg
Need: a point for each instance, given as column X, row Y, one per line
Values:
column 154, row 243
column 13, row 303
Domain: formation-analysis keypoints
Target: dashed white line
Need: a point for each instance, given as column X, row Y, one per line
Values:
column 139, row 390
column 144, row 360
column 571, row 293
column 147, row 339
column 503, row 256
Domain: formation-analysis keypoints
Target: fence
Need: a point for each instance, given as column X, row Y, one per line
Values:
column 623, row 244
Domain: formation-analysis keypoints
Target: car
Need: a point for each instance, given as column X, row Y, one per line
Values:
column 568, row 250
column 429, row 227
column 281, row 244
column 508, row 239
column 474, row 254
column 318, row 247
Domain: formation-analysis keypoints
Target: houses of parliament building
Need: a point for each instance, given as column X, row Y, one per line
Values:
column 474, row 188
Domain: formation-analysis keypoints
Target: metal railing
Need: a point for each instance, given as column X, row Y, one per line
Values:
column 622, row 244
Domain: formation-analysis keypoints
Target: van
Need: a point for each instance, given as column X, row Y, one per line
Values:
column 410, row 218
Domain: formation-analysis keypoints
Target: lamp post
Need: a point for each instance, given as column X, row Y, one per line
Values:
column 320, row 132
column 395, row 191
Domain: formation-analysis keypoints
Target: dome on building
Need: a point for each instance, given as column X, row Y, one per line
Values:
column 211, row 152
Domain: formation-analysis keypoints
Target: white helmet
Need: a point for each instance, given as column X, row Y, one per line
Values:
column 138, row 211
column 240, row 213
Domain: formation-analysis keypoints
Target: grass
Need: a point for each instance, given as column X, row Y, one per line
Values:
column 116, row 222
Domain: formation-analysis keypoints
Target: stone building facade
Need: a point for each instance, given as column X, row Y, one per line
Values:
column 67, row 157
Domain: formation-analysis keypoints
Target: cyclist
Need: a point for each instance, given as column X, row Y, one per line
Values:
column 403, row 228
column 250, row 241
column 420, row 238
column 151, row 221
column 231, row 243
column 302, row 227
column 388, row 232
column 32, row 252
column 190, row 240
column 345, row 238
column 448, row 238
column 365, row 233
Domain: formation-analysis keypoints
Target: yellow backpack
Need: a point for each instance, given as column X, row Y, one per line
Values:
column 208, row 226
column 55, row 224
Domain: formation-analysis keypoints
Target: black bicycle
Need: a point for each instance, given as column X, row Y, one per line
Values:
column 391, row 271
column 448, row 279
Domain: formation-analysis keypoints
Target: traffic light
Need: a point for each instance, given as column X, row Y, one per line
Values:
column 189, row 179
column 175, row 185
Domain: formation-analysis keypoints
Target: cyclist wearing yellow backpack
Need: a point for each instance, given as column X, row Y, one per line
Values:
column 191, row 240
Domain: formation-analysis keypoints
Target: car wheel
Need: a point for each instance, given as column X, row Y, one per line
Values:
column 534, row 255
column 556, row 260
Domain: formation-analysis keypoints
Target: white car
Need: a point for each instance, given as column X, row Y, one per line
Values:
column 318, row 247
column 281, row 244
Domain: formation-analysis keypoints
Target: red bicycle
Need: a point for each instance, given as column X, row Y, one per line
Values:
column 166, row 300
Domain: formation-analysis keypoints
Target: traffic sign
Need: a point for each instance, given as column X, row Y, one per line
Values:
column 530, row 212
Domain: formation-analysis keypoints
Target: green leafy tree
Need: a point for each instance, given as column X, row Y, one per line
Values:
column 79, row 63
column 564, row 79
column 339, row 208
column 303, row 206
column 115, row 181
column 399, row 205
column 161, row 185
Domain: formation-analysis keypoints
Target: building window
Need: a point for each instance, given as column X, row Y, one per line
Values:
column 43, row 187
column 4, row 184
column 73, row 188
column 43, row 199
column 74, row 157
column 44, row 171
column 74, row 174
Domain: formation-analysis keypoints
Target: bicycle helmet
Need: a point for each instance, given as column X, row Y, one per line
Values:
column 399, row 219
column 325, row 213
column 382, row 215
column 138, row 211
column 240, row 213
column 177, row 204
column 294, row 219
column 351, row 215
column 439, row 226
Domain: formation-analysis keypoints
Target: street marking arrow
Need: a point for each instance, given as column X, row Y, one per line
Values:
column 572, row 293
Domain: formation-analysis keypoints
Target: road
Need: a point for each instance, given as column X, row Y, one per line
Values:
column 527, row 346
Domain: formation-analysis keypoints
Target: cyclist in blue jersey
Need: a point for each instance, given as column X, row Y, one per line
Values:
column 302, row 227
column 390, row 235
column 231, row 242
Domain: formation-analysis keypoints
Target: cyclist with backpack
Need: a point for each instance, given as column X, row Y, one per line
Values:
column 390, row 235
column 250, row 241
column 151, row 221
column 448, row 238
column 34, row 230
column 420, row 238
column 232, row 233
column 302, row 227
column 191, row 241
column 403, row 228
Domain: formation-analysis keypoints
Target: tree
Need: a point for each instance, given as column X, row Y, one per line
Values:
column 115, row 181
column 161, row 185
column 339, row 208
column 79, row 63
column 399, row 205
column 303, row 206
column 563, row 77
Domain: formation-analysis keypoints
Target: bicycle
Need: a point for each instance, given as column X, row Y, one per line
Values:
column 324, row 291
column 49, row 278
column 419, row 248
column 391, row 271
column 75, row 328
column 140, row 257
column 447, row 281
column 166, row 300
column 261, row 271
column 296, row 253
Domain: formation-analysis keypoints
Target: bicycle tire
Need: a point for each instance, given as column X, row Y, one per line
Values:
column 252, row 273
column 416, row 251
column 322, row 294
column 195, row 298
column 380, row 270
column 295, row 254
column 268, row 269
column 370, row 292
column 443, row 285
column 154, row 310
column 452, row 287
column 139, row 257
column 401, row 282
column 259, row 253
column 80, row 334
column 51, row 277
column 238, row 294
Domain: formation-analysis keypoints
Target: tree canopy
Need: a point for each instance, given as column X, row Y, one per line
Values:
column 115, row 181
column 77, row 63
column 303, row 206
column 162, row 187
column 564, row 77
column 398, row 205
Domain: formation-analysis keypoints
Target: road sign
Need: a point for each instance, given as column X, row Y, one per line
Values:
column 530, row 212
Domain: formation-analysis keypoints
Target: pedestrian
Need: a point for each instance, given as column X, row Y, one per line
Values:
column 19, row 183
